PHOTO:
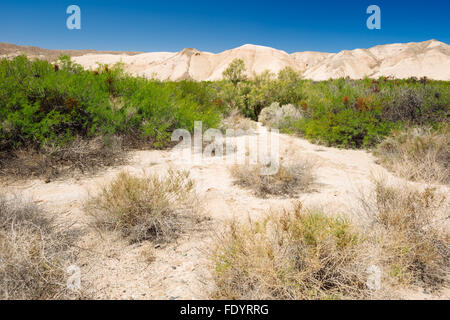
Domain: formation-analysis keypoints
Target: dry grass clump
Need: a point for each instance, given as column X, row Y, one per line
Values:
column 418, row 154
column 34, row 255
column 297, row 254
column 290, row 178
column 415, row 239
column 147, row 208
column 80, row 156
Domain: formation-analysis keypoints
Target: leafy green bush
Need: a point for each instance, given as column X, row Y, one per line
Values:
column 352, row 113
column 235, row 71
column 347, row 128
column 44, row 104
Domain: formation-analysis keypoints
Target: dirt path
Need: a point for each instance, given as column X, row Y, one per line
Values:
column 115, row 269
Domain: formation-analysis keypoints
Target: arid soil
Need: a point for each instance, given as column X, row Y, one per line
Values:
column 114, row 269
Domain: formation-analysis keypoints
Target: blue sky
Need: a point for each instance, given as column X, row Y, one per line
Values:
column 217, row 25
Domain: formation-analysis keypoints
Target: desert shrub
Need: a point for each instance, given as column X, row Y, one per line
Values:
column 419, row 154
column 235, row 71
column 347, row 128
column 258, row 95
column 229, row 96
column 290, row 112
column 418, row 105
column 270, row 114
column 296, row 254
column 34, row 254
column 251, row 96
column 341, row 113
column 202, row 93
column 147, row 208
column 353, row 113
column 276, row 117
column 57, row 118
column 415, row 244
column 44, row 105
column 289, row 75
column 54, row 161
column 290, row 178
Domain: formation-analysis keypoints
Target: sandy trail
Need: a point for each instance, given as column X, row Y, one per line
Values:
column 114, row 269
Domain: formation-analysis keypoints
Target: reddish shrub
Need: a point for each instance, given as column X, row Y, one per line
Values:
column 304, row 105
column 345, row 100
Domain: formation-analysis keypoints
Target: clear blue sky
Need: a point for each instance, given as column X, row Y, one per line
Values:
column 217, row 25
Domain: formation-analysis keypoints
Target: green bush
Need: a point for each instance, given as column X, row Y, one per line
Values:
column 44, row 104
column 347, row 128
column 350, row 113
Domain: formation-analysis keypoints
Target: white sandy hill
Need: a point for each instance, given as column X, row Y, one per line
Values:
column 133, row 63
column 354, row 64
column 193, row 64
column 430, row 58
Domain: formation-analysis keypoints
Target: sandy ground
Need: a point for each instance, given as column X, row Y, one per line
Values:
column 114, row 269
